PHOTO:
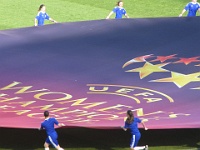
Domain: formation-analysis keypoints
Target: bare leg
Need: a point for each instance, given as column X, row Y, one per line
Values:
column 59, row 148
column 46, row 146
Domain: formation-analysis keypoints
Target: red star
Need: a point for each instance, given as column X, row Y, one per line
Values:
column 187, row 61
column 164, row 58
column 137, row 59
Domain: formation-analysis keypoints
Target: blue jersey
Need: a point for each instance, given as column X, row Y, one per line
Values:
column 48, row 125
column 119, row 12
column 41, row 18
column 133, row 126
column 192, row 9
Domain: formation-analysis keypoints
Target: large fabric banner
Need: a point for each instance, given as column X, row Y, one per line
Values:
column 89, row 74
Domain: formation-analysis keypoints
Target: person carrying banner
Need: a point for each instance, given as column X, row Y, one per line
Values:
column 119, row 11
column 192, row 9
column 42, row 15
column 131, row 123
column 48, row 125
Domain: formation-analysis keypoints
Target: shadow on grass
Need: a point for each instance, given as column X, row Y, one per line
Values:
column 29, row 139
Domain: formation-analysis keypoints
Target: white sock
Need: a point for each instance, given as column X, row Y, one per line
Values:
column 61, row 149
column 139, row 147
column 46, row 148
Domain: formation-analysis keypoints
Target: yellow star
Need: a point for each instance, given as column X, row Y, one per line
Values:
column 148, row 69
column 180, row 79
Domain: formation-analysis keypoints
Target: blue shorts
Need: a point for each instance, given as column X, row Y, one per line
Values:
column 52, row 139
column 134, row 140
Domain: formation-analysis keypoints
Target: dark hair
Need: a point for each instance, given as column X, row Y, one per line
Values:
column 130, row 117
column 118, row 3
column 42, row 5
column 46, row 113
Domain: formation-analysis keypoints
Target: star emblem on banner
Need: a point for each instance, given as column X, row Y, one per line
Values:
column 148, row 69
column 197, row 88
column 180, row 79
column 187, row 61
column 164, row 58
column 137, row 59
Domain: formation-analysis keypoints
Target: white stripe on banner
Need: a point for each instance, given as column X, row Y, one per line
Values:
column 52, row 142
column 133, row 141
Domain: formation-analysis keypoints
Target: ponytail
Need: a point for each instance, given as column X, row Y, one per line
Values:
column 130, row 117
column 42, row 5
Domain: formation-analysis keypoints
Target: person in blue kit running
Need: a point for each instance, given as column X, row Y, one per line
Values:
column 119, row 11
column 131, row 123
column 42, row 16
column 48, row 125
column 192, row 9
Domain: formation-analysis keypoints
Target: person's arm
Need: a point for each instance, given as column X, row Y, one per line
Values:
column 41, row 127
column 110, row 14
column 144, row 125
column 49, row 18
column 124, row 128
column 36, row 22
column 52, row 20
column 183, row 11
column 126, row 15
column 199, row 10
column 36, row 19
column 61, row 124
column 58, row 124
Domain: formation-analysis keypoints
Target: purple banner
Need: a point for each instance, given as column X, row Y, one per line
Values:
column 89, row 74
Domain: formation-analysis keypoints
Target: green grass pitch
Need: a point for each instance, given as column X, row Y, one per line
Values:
column 21, row 13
